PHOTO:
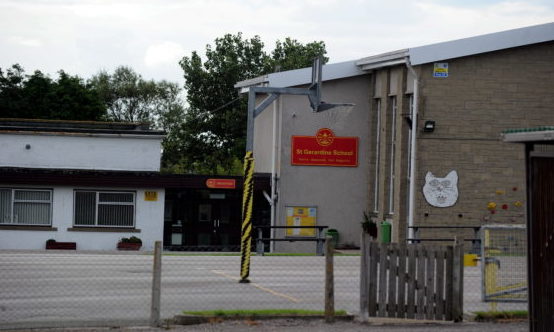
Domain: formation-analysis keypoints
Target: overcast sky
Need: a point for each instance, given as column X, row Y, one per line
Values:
column 84, row 36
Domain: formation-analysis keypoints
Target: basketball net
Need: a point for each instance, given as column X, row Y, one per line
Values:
column 335, row 118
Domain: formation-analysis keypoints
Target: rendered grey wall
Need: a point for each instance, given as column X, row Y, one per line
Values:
column 339, row 193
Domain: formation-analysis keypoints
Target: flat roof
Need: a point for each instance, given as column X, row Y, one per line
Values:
column 116, row 179
column 482, row 44
column 416, row 55
column 87, row 127
column 303, row 76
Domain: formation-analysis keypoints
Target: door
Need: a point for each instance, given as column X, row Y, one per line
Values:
column 541, row 242
column 217, row 226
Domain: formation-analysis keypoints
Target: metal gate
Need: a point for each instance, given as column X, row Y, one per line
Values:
column 504, row 268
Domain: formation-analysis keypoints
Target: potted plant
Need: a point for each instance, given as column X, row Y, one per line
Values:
column 53, row 244
column 50, row 243
column 369, row 226
column 131, row 243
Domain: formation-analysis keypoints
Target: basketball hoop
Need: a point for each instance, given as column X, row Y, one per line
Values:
column 336, row 117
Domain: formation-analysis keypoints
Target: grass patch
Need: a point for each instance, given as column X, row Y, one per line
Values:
column 261, row 312
column 483, row 316
column 202, row 254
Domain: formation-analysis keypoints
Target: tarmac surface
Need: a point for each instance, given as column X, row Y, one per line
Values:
column 68, row 289
column 313, row 326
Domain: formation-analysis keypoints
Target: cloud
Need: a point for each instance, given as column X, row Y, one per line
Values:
column 163, row 53
column 29, row 42
column 151, row 36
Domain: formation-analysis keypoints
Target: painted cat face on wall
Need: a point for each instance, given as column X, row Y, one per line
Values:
column 441, row 192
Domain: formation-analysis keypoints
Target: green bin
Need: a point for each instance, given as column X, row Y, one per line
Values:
column 334, row 234
column 384, row 232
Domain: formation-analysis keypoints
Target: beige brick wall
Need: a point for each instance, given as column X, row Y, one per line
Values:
column 483, row 95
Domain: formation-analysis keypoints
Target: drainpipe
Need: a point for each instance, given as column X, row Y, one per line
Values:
column 274, row 158
column 411, row 198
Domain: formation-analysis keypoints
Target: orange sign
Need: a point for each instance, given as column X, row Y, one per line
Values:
column 324, row 149
column 221, row 183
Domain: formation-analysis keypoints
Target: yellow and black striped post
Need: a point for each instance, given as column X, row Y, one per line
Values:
column 247, row 205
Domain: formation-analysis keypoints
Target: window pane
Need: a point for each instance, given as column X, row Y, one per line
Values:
column 31, row 213
column 115, row 215
column 85, row 208
column 116, row 197
column 5, row 206
column 28, row 195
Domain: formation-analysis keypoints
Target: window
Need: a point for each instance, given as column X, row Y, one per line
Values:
column 25, row 207
column 104, row 208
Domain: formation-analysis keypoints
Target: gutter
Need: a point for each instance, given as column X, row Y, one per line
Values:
column 411, row 198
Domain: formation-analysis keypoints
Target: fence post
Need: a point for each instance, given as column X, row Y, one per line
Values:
column 319, row 243
column 329, row 282
column 458, row 280
column 364, row 278
column 156, row 285
column 260, row 243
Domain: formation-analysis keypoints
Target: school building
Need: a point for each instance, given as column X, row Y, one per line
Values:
column 421, row 147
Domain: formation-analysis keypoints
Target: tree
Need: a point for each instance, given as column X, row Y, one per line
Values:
column 291, row 54
column 128, row 97
column 212, row 137
column 39, row 97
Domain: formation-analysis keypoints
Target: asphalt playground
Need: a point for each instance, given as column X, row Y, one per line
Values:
column 41, row 289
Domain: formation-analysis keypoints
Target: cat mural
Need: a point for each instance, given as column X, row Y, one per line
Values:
column 441, row 192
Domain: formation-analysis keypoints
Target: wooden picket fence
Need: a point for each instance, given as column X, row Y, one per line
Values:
column 411, row 281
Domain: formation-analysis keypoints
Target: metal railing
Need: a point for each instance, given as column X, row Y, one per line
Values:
column 475, row 240
column 319, row 238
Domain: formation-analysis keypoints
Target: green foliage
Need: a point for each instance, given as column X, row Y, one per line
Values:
column 482, row 316
column 132, row 239
column 368, row 225
column 291, row 54
column 37, row 96
column 212, row 137
column 128, row 97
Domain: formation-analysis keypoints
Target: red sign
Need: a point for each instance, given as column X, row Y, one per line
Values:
column 324, row 149
column 221, row 183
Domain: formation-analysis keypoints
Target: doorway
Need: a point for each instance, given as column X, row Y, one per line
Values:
column 202, row 220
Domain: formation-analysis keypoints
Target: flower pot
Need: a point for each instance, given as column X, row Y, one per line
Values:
column 61, row 245
column 128, row 246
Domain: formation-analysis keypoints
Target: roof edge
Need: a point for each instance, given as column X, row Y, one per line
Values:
column 303, row 76
column 482, row 44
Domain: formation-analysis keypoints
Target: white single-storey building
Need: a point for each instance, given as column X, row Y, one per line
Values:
column 84, row 182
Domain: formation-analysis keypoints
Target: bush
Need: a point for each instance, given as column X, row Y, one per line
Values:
column 132, row 239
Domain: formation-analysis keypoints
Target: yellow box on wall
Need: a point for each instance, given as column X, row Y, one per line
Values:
column 151, row 196
column 301, row 216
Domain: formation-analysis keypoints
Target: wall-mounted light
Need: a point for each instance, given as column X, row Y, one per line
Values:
column 408, row 121
column 429, row 126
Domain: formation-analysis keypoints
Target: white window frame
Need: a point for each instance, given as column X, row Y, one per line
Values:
column 377, row 156
column 13, row 201
column 97, row 203
column 392, row 174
